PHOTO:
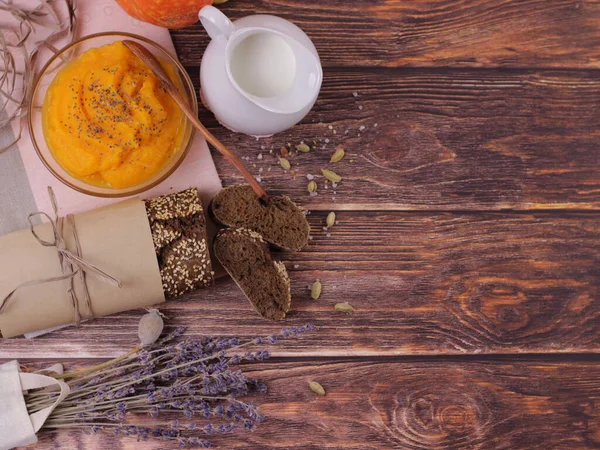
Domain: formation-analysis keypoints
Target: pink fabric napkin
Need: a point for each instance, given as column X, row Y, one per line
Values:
column 197, row 170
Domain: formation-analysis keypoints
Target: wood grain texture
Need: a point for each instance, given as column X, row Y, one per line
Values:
column 411, row 405
column 431, row 33
column 458, row 140
column 477, row 114
column 420, row 283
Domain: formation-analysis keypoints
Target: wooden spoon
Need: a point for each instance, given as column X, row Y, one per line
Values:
column 150, row 60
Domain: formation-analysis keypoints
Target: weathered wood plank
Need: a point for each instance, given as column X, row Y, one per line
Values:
column 432, row 33
column 420, row 283
column 411, row 405
column 458, row 140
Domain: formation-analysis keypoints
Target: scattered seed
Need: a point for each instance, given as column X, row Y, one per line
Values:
column 331, row 176
column 316, row 388
column 309, row 177
column 312, row 186
column 285, row 163
column 303, row 148
column 331, row 219
column 338, row 155
column 315, row 290
column 284, row 151
column 344, row 307
column 355, row 94
column 362, row 128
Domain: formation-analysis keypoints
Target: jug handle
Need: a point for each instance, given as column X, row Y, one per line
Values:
column 215, row 22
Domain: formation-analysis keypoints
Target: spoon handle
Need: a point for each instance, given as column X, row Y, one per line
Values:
column 228, row 154
column 154, row 65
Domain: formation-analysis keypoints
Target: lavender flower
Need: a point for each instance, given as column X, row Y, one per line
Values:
column 194, row 377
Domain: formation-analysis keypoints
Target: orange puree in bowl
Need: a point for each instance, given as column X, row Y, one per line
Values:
column 107, row 120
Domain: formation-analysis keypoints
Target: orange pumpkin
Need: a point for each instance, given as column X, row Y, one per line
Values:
column 165, row 13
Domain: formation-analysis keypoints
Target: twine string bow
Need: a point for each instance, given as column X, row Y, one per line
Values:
column 71, row 263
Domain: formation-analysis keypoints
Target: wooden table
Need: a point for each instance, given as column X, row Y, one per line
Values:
column 468, row 242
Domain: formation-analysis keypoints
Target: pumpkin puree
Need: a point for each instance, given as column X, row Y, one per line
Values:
column 107, row 120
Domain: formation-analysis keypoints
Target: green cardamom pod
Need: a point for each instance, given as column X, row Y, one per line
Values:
column 344, row 307
column 317, row 388
column 285, row 163
column 331, row 176
column 338, row 155
column 315, row 291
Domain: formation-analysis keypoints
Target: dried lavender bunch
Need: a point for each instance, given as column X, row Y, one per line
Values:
column 194, row 379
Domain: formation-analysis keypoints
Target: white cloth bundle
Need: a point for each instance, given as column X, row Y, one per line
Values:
column 17, row 427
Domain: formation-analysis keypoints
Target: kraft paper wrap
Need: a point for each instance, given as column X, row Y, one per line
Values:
column 116, row 238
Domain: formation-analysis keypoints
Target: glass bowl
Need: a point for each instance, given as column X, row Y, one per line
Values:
column 60, row 60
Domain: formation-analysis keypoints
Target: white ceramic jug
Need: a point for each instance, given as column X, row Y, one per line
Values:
column 259, row 75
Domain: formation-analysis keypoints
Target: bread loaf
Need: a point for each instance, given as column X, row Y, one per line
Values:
column 179, row 234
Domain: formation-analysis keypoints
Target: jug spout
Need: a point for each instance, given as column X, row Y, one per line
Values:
column 273, row 70
column 216, row 24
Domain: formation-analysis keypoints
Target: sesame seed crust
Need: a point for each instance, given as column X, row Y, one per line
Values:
column 179, row 234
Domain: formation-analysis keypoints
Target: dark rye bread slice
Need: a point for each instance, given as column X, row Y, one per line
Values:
column 280, row 222
column 246, row 257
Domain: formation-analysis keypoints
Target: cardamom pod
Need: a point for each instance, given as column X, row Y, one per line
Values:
column 315, row 291
column 303, row 148
column 338, row 155
column 344, row 307
column 312, row 186
column 316, row 388
column 331, row 176
column 285, row 163
column 330, row 219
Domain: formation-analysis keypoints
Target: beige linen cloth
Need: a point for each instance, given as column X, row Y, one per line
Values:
column 17, row 427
